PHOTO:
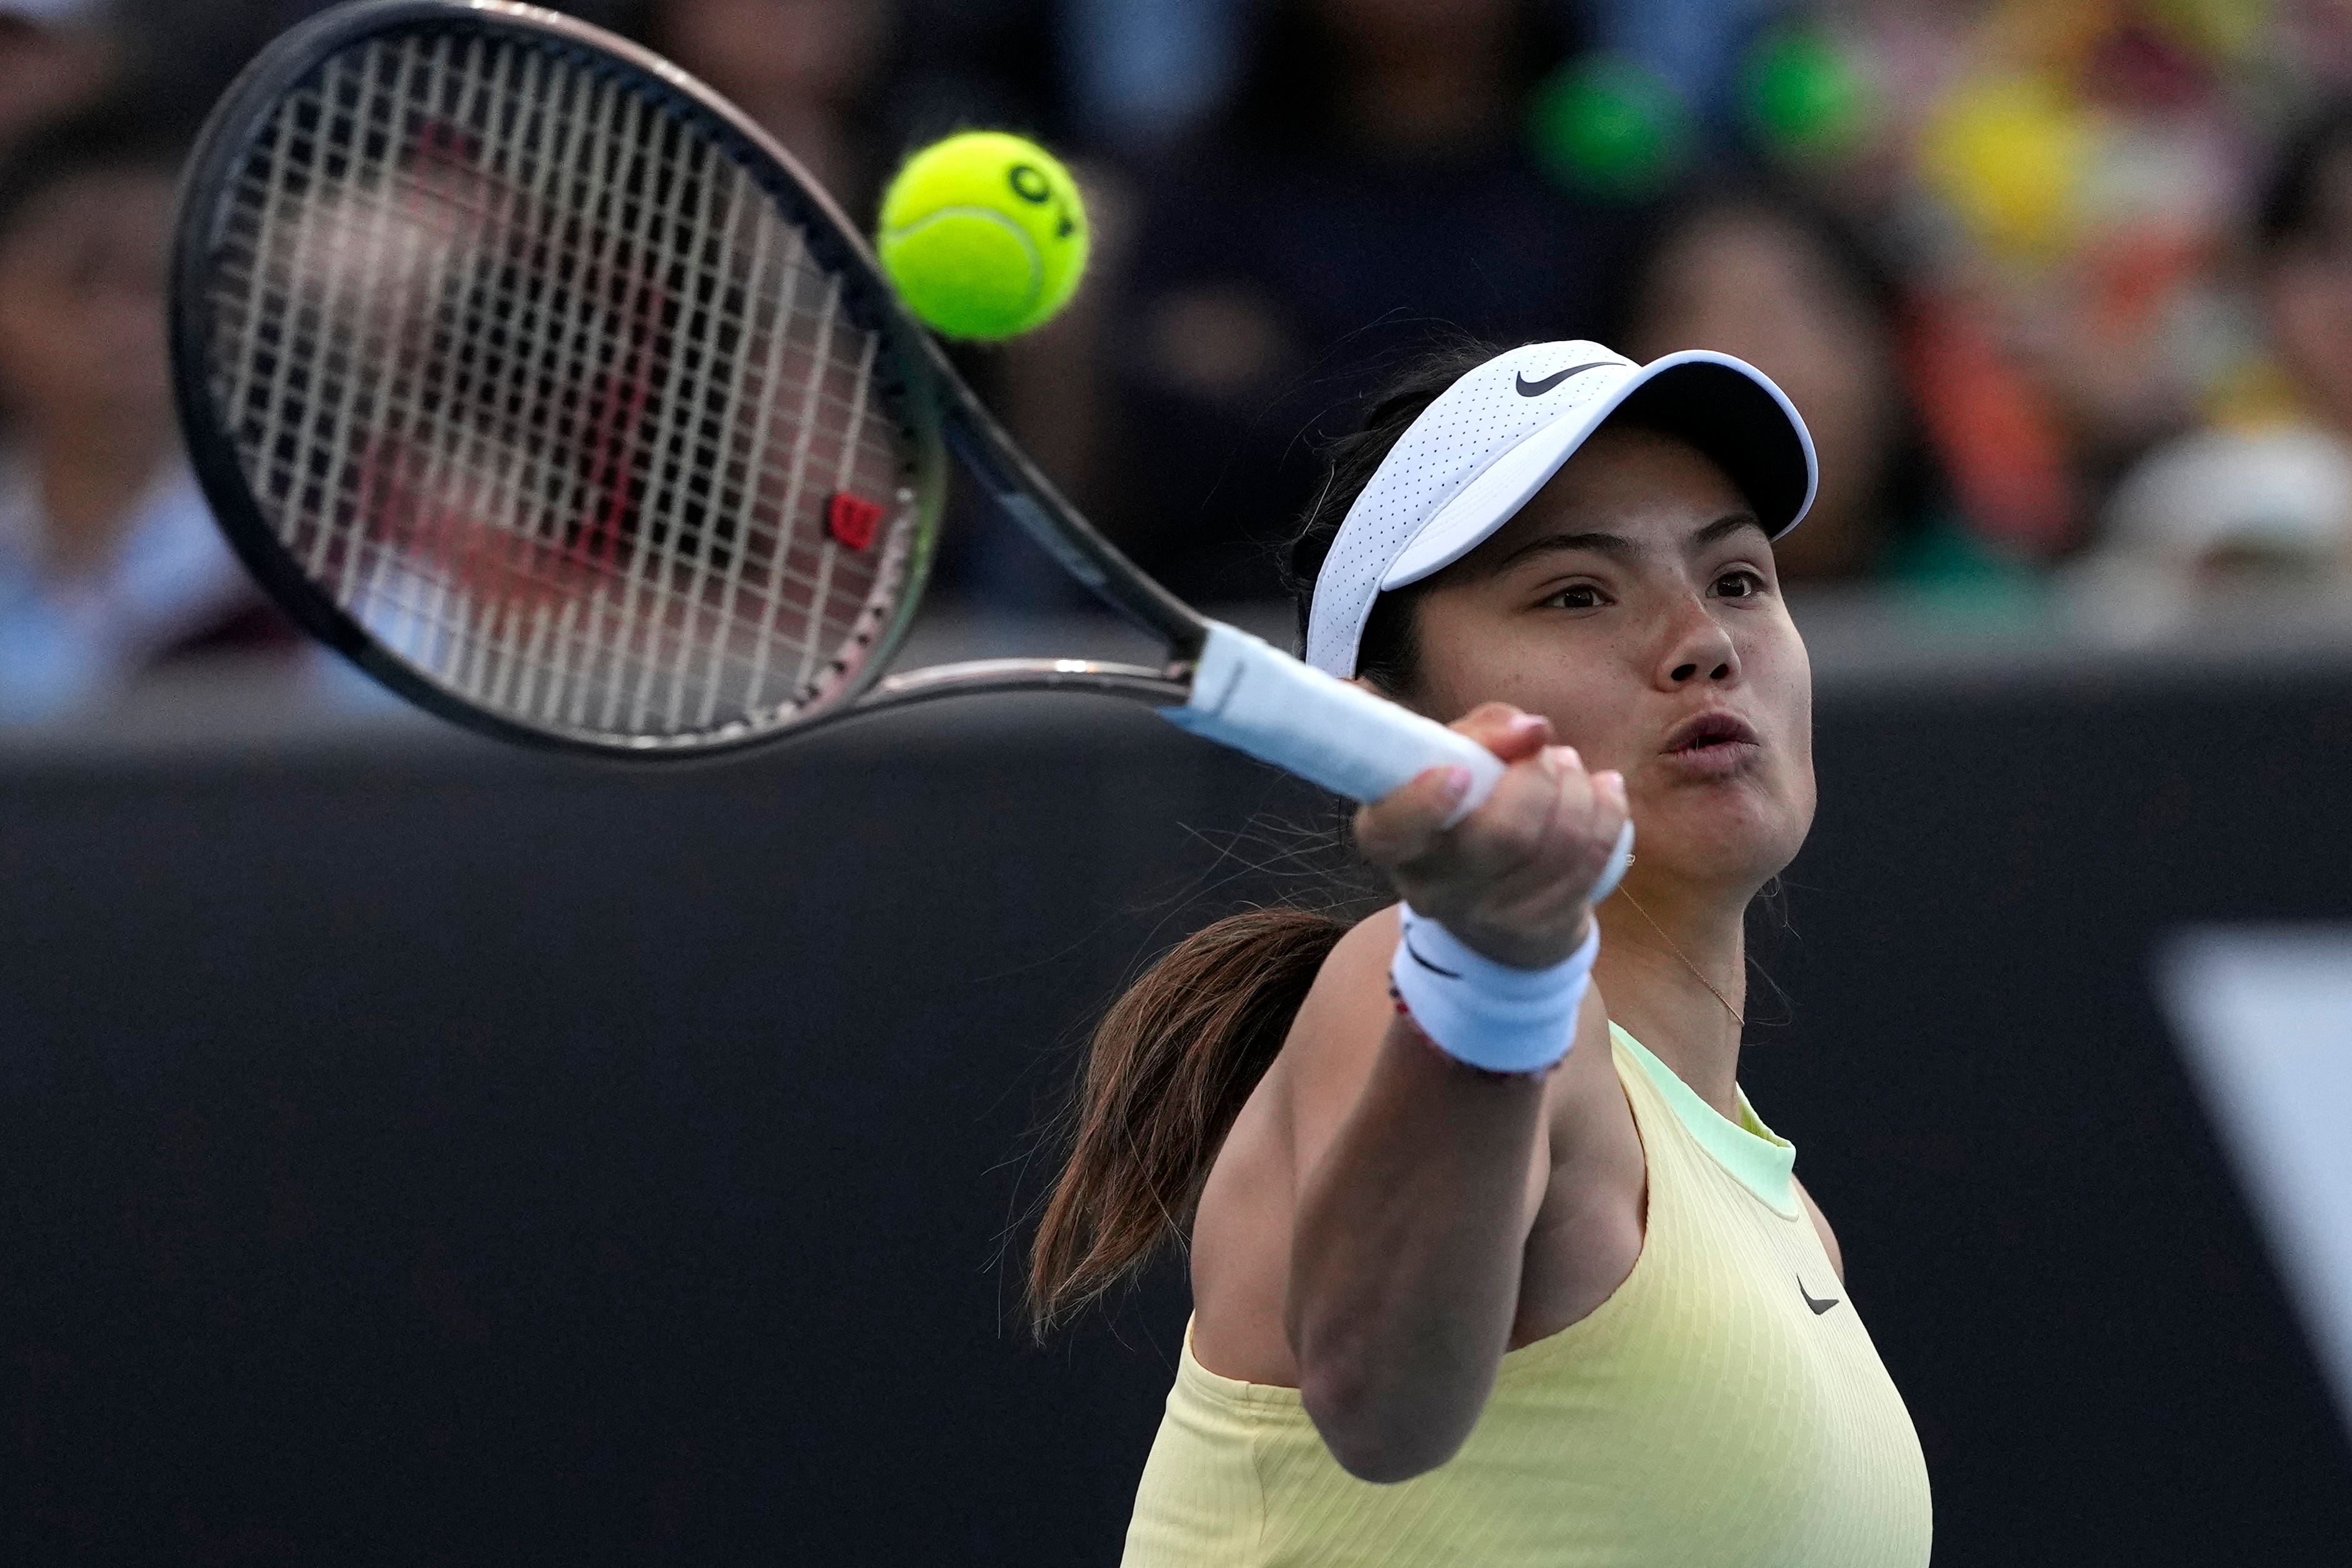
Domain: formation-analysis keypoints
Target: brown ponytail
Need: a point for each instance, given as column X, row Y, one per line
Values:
column 1178, row 1055
column 1172, row 1064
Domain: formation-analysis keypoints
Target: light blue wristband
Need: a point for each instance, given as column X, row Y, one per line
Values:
column 1490, row 1015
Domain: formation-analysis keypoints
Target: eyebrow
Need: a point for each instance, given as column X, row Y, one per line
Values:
column 1625, row 548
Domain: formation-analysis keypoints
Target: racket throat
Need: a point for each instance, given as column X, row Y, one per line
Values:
column 1031, row 500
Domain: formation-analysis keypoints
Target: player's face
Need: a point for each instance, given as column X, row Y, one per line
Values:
column 1633, row 602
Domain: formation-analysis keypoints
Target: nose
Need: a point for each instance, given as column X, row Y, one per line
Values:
column 1697, row 648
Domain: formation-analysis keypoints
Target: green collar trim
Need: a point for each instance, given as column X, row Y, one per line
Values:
column 1757, row 1157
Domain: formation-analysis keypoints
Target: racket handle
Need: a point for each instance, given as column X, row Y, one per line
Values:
column 1255, row 698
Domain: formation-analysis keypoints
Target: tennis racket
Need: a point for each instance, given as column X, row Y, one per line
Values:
column 531, row 375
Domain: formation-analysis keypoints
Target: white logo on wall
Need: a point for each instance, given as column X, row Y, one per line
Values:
column 2264, row 1014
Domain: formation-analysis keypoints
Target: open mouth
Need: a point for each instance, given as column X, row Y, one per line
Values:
column 1708, row 732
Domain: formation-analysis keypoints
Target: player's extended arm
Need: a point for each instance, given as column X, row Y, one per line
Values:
column 1415, row 1207
column 1405, row 1261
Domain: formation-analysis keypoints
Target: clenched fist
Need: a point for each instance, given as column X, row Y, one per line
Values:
column 1512, row 879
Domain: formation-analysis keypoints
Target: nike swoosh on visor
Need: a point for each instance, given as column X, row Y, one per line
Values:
column 1537, row 389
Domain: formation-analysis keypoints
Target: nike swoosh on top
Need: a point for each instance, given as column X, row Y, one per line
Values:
column 1819, row 1307
column 1537, row 389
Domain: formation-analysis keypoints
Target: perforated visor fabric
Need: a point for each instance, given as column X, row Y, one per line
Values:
column 532, row 380
column 1493, row 439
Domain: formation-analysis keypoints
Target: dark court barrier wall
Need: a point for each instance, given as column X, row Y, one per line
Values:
column 423, row 1153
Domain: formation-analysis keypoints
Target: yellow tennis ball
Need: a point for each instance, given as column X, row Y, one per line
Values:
column 984, row 235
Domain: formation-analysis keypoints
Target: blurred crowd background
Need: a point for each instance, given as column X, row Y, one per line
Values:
column 2063, row 286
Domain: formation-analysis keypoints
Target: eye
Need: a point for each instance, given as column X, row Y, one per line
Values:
column 1739, row 583
column 1577, row 596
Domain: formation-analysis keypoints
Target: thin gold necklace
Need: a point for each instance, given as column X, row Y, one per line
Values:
column 1737, row 1017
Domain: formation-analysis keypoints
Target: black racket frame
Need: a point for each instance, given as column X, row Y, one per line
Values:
column 920, row 386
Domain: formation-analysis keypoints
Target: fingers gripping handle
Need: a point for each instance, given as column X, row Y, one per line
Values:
column 1256, row 699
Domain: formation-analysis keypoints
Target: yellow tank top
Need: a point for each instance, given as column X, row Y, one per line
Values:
column 1724, row 1406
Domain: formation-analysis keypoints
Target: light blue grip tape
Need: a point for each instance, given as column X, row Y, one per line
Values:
column 1257, row 699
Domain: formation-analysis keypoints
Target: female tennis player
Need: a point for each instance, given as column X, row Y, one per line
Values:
column 1492, row 1261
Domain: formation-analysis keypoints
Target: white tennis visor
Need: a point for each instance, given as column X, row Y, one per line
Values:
column 1494, row 438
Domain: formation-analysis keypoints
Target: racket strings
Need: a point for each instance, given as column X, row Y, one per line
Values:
column 533, row 378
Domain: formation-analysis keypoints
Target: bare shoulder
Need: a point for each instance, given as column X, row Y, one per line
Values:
column 1335, row 1039
column 1337, row 1036
column 1241, row 1229
column 1583, row 1183
column 1821, row 1224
